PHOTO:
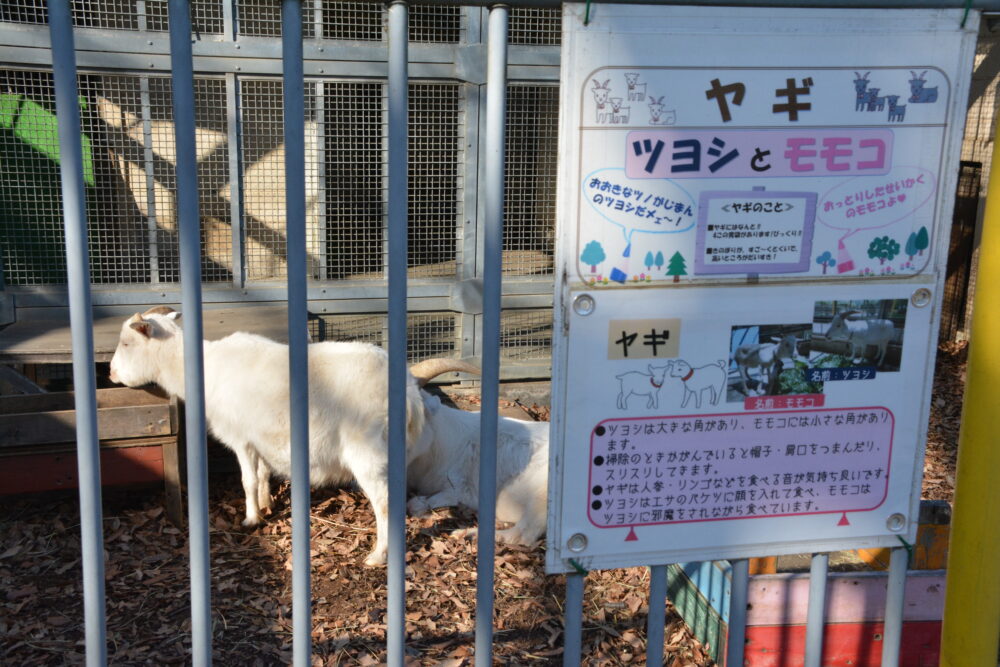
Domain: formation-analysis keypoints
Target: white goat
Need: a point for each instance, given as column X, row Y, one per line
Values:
column 447, row 473
column 861, row 332
column 763, row 356
column 247, row 404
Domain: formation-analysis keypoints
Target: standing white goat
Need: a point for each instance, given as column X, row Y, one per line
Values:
column 247, row 405
column 763, row 356
column 447, row 473
column 861, row 332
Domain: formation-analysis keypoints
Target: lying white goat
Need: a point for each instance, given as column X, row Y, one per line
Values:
column 763, row 357
column 247, row 404
column 447, row 472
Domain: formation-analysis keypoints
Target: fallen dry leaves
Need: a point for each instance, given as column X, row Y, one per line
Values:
column 146, row 579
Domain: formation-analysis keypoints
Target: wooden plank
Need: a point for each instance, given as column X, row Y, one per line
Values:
column 173, row 468
column 39, row 337
column 60, row 425
column 112, row 397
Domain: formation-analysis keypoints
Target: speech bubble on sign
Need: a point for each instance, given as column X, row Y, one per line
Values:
column 872, row 202
column 648, row 206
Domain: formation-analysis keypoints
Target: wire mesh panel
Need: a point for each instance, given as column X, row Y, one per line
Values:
column 263, row 155
column 364, row 328
column 30, row 197
column 436, row 141
column 354, row 202
column 352, row 21
column 430, row 335
column 206, row 15
column 128, row 140
column 530, row 196
column 535, row 25
column 526, row 335
column 441, row 24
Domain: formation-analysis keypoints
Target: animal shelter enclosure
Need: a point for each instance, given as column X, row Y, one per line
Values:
column 265, row 167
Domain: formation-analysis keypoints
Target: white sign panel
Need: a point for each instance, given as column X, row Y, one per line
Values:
column 752, row 209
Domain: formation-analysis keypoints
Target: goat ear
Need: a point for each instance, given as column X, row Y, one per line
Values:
column 173, row 315
column 143, row 327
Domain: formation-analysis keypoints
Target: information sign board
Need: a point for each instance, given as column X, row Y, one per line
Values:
column 752, row 207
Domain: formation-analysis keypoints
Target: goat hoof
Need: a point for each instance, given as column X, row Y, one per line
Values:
column 251, row 522
column 375, row 560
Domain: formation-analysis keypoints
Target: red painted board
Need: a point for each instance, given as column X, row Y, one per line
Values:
column 844, row 645
column 30, row 473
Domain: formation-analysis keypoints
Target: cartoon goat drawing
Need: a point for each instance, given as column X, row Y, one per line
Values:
column 861, row 91
column 697, row 380
column 619, row 114
column 658, row 114
column 636, row 90
column 875, row 103
column 642, row 384
column 919, row 94
column 601, row 92
column 896, row 111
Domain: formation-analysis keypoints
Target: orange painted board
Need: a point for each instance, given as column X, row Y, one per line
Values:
column 29, row 473
column 844, row 645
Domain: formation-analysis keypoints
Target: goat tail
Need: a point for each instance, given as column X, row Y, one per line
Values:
column 427, row 370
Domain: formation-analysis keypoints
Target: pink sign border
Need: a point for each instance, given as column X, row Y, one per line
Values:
column 590, row 467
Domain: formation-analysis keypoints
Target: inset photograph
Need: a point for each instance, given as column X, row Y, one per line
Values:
column 769, row 360
column 863, row 333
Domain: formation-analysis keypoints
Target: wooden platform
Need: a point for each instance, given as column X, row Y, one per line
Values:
column 42, row 336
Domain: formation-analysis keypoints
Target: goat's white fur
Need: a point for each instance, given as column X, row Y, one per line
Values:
column 860, row 332
column 447, row 473
column 763, row 356
column 247, row 407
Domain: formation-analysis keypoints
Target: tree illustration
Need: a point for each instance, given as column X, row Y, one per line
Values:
column 593, row 254
column 911, row 245
column 677, row 267
column 883, row 248
column 659, row 260
column 825, row 260
column 649, row 261
column 922, row 240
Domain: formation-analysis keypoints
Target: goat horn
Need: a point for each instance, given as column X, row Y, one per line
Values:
column 429, row 369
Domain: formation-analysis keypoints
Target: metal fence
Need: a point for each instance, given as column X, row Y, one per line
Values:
column 131, row 170
column 309, row 148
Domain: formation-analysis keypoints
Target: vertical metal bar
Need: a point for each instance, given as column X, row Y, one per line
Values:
column 892, row 631
column 398, row 189
column 194, row 364
column 573, row 633
column 81, row 322
column 233, row 135
column 971, row 629
column 816, row 614
column 738, row 597
column 657, row 618
column 152, row 226
column 293, row 85
column 496, row 109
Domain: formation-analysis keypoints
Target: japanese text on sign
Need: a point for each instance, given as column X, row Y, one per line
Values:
column 736, row 466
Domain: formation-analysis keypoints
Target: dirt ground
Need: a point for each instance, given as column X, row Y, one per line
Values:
column 146, row 579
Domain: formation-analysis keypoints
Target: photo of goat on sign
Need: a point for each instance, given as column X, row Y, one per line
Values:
column 769, row 360
column 864, row 333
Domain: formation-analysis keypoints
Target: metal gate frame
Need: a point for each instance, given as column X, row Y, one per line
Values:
column 80, row 300
column 233, row 58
